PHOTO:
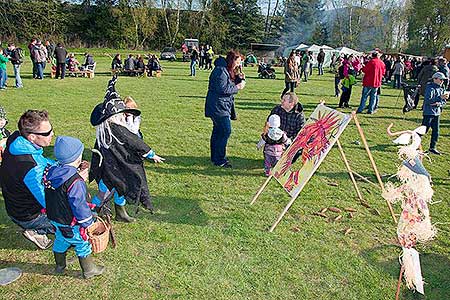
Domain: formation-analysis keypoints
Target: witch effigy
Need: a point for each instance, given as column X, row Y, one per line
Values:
column 414, row 193
column 117, row 164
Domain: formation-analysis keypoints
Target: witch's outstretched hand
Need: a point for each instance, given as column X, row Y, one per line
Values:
column 158, row 159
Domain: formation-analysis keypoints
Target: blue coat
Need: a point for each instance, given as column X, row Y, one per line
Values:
column 220, row 100
column 433, row 95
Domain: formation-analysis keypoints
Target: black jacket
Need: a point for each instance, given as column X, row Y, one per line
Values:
column 15, row 57
column 60, row 54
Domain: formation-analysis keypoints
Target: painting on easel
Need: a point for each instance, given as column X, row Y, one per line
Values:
column 309, row 148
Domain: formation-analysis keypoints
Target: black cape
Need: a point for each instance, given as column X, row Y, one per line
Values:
column 123, row 165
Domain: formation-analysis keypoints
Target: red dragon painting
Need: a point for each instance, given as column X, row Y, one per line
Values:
column 311, row 142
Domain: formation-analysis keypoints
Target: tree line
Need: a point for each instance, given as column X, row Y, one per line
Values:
column 417, row 26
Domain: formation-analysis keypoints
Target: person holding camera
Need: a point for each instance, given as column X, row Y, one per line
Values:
column 219, row 104
column 435, row 100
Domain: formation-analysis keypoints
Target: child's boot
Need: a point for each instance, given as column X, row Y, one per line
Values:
column 121, row 214
column 147, row 203
column 60, row 259
column 89, row 268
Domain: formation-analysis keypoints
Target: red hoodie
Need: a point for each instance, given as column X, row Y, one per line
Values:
column 373, row 72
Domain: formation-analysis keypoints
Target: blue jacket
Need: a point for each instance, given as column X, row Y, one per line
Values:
column 433, row 95
column 76, row 193
column 21, row 178
column 221, row 89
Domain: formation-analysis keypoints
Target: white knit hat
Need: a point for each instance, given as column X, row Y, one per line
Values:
column 274, row 121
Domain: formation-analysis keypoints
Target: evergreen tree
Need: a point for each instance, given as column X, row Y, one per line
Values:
column 245, row 21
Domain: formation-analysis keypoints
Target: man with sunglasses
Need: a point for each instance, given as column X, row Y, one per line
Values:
column 21, row 176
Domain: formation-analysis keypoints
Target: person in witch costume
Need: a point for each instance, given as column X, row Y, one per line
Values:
column 119, row 167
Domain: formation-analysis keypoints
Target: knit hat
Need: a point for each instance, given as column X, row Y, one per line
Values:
column 112, row 104
column 67, row 149
column 274, row 121
column 439, row 75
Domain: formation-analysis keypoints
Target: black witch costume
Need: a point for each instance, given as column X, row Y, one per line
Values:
column 121, row 163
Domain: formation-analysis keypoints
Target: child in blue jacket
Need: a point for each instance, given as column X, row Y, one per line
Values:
column 67, row 208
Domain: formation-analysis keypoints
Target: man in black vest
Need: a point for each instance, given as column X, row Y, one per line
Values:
column 21, row 173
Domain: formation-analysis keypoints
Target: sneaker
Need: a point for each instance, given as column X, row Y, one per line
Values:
column 40, row 240
column 434, row 151
column 226, row 165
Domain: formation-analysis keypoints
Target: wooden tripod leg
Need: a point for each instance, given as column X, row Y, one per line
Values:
column 261, row 189
column 365, row 179
column 397, row 294
column 282, row 214
column 349, row 170
column 374, row 166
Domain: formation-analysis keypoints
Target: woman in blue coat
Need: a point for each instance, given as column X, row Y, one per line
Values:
column 220, row 103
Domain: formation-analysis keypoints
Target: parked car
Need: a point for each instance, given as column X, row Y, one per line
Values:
column 168, row 53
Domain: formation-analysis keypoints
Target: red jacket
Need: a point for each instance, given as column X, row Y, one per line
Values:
column 373, row 72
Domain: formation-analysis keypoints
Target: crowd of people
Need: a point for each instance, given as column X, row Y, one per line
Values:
column 40, row 56
column 135, row 66
column 431, row 76
column 202, row 57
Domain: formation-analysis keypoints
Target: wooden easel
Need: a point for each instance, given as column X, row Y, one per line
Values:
column 350, row 172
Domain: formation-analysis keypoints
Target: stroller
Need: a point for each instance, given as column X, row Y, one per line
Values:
column 411, row 94
column 266, row 71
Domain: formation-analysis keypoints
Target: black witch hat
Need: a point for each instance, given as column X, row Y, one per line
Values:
column 112, row 104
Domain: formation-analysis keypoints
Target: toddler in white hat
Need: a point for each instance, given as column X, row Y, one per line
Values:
column 275, row 141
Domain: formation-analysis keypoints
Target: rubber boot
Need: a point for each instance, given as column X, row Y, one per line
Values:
column 60, row 259
column 89, row 268
column 147, row 204
column 121, row 214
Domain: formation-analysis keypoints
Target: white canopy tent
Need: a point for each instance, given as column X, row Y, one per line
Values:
column 315, row 49
column 347, row 51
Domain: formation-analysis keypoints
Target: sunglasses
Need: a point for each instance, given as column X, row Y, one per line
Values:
column 43, row 133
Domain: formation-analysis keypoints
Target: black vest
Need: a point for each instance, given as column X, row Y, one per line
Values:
column 57, row 202
column 19, row 201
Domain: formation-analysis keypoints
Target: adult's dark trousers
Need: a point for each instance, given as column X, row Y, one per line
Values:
column 35, row 70
column 337, row 80
column 60, row 70
column 219, row 139
column 389, row 75
column 397, row 81
column 41, row 224
column 433, row 123
column 290, row 86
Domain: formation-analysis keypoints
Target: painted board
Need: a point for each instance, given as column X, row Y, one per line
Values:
column 312, row 144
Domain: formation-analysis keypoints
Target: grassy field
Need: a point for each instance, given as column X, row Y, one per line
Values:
column 205, row 240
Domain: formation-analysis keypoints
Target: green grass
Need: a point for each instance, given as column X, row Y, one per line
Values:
column 206, row 241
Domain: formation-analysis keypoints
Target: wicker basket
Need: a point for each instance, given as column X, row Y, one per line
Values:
column 99, row 235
